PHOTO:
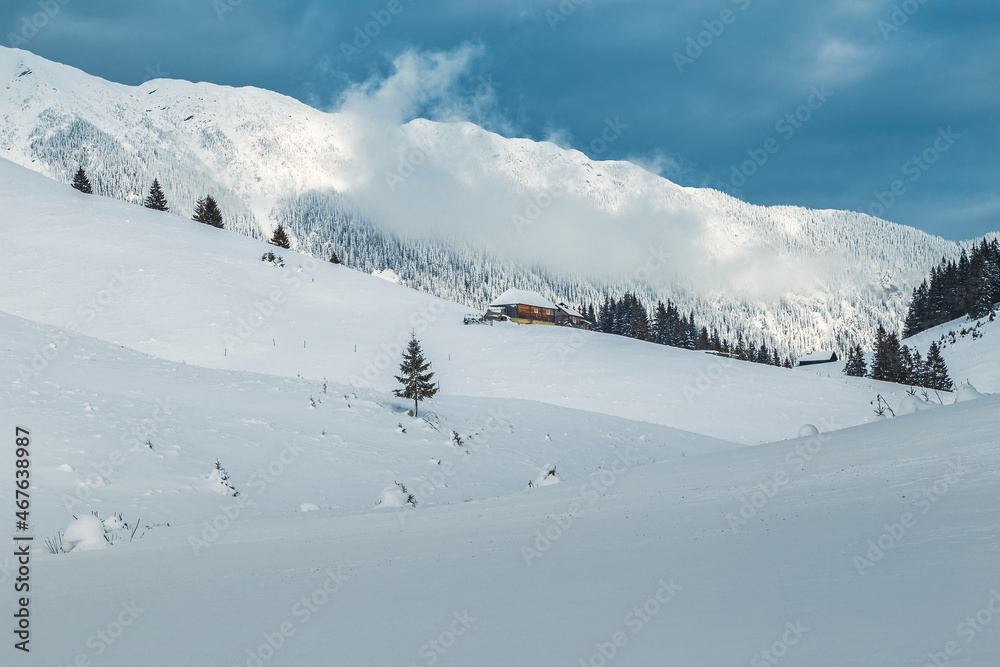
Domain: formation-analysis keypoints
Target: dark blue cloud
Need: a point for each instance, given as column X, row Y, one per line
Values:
column 899, row 71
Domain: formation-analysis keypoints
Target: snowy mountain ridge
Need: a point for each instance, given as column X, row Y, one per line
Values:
column 528, row 214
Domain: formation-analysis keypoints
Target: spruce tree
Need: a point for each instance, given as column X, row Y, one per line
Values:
column 918, row 370
column 886, row 362
column 333, row 258
column 156, row 200
column 937, row 370
column 856, row 365
column 82, row 183
column 280, row 238
column 414, row 375
column 207, row 212
column 978, row 301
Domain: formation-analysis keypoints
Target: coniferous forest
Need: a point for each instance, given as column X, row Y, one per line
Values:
column 669, row 326
column 969, row 287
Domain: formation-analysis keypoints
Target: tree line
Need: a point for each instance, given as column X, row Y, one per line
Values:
column 892, row 362
column 206, row 210
column 667, row 325
column 969, row 287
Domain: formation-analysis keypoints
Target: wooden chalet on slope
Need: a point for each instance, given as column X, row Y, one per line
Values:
column 526, row 307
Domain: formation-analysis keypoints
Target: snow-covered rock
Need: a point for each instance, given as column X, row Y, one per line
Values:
column 84, row 534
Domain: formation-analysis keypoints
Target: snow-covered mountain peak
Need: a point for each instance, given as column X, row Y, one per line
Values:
column 465, row 213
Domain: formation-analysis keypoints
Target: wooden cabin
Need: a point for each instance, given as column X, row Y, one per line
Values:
column 567, row 316
column 526, row 307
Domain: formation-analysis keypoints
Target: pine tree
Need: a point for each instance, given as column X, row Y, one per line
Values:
column 156, row 200
column 333, row 258
column 937, row 370
column 856, row 365
column 660, row 324
column 978, row 301
column 414, row 375
column 886, row 362
column 918, row 370
column 280, row 238
column 82, row 183
column 740, row 350
column 206, row 211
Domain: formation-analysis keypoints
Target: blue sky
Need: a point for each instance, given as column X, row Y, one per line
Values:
column 823, row 104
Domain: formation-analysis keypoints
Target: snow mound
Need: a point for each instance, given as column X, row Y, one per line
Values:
column 219, row 482
column 113, row 523
column 65, row 467
column 308, row 507
column 85, row 534
column 966, row 392
column 808, row 431
column 548, row 476
column 388, row 274
column 394, row 495
column 911, row 404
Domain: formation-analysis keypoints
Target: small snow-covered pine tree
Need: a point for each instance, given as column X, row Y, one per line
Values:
column 82, row 183
column 856, row 365
column 414, row 375
column 156, row 199
column 280, row 238
column 937, row 370
column 206, row 211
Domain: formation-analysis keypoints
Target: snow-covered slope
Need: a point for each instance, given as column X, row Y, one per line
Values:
column 164, row 285
column 888, row 526
column 969, row 347
column 800, row 279
column 169, row 422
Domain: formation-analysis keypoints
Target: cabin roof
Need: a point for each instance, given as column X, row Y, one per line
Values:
column 818, row 356
column 569, row 311
column 522, row 297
